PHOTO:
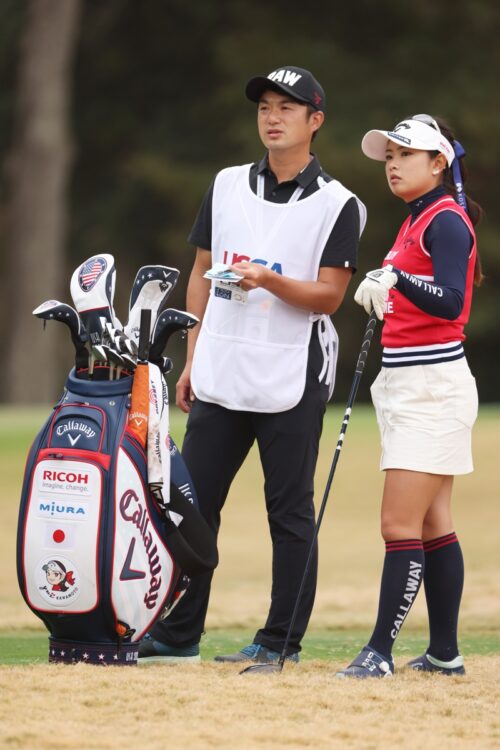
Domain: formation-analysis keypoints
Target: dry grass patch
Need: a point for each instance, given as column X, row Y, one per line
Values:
column 205, row 706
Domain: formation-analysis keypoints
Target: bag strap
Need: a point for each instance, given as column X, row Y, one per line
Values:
column 192, row 543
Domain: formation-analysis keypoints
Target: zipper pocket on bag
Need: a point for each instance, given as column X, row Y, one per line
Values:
column 62, row 454
column 79, row 426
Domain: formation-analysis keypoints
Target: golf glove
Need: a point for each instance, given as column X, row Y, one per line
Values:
column 373, row 291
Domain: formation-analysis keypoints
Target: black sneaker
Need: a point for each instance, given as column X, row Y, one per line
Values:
column 151, row 651
column 428, row 663
column 369, row 663
column 256, row 653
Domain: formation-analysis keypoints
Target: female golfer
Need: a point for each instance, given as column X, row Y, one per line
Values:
column 425, row 396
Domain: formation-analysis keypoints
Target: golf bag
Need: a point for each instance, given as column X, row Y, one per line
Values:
column 98, row 559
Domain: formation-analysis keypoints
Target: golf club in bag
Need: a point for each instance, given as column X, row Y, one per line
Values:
column 360, row 366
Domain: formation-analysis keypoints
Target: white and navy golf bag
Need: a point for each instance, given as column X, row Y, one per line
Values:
column 98, row 560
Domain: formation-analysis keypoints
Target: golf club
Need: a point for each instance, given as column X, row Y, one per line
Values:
column 144, row 334
column 114, row 360
column 363, row 354
column 54, row 310
column 92, row 289
column 119, row 340
column 150, row 290
column 169, row 321
column 166, row 365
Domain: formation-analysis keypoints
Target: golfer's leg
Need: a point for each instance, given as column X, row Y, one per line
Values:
column 288, row 445
column 216, row 443
column 443, row 575
column 408, row 495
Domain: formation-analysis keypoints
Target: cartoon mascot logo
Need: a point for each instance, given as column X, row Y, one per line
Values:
column 58, row 581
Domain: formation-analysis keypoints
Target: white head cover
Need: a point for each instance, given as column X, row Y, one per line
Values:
column 421, row 133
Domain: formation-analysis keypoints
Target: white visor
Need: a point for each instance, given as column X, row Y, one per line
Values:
column 411, row 133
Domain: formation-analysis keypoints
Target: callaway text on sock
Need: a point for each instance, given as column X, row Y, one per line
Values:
column 412, row 584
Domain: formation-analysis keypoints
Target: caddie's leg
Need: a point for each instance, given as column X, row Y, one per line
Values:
column 288, row 445
column 216, row 443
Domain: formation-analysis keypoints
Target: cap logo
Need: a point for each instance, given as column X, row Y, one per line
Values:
column 317, row 98
column 401, row 125
column 287, row 77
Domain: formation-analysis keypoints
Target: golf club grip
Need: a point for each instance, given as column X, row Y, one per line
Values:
column 365, row 346
column 144, row 333
column 367, row 340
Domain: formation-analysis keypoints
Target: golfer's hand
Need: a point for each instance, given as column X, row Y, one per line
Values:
column 254, row 274
column 373, row 291
column 184, row 395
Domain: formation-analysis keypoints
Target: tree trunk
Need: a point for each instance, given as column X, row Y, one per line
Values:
column 37, row 175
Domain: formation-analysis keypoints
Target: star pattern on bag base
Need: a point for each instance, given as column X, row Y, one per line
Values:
column 103, row 654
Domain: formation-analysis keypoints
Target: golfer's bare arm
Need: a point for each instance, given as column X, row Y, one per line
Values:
column 322, row 296
column 198, row 291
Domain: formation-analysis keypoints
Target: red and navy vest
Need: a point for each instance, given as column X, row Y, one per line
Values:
column 405, row 324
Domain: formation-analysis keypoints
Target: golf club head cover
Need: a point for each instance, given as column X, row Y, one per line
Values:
column 151, row 288
column 94, row 559
column 92, row 290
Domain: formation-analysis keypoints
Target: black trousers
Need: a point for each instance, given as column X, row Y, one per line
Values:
column 216, row 443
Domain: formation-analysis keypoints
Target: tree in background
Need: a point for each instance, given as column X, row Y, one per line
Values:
column 37, row 174
column 158, row 106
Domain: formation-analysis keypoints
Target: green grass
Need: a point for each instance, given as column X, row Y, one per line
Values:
column 24, row 647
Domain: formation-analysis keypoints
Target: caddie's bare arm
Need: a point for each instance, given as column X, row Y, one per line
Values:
column 322, row 296
column 198, row 291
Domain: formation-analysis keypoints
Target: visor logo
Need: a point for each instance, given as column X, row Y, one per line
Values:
column 399, row 137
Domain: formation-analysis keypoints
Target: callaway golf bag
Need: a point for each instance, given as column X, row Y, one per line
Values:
column 109, row 533
column 98, row 559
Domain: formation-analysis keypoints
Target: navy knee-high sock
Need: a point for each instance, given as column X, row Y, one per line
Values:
column 443, row 584
column 401, row 579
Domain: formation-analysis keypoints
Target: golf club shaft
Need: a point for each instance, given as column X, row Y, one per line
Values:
column 144, row 334
column 363, row 354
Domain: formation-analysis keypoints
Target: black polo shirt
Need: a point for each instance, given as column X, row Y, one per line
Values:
column 341, row 248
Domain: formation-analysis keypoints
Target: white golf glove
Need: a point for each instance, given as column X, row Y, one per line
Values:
column 373, row 291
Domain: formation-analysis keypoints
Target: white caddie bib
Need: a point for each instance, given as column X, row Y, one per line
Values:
column 252, row 350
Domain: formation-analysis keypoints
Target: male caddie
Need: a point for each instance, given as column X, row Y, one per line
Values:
column 262, row 364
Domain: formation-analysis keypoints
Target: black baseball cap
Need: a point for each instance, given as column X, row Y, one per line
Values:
column 298, row 83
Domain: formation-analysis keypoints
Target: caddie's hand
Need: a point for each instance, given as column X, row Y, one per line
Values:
column 373, row 291
column 254, row 274
column 184, row 395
